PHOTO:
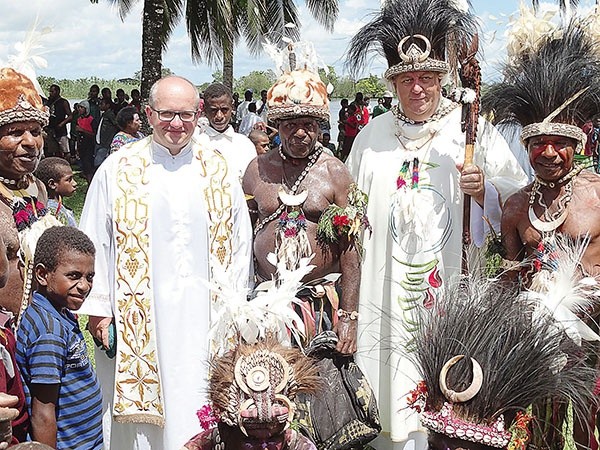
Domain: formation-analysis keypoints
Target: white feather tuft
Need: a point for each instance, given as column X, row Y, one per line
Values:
column 233, row 317
column 28, row 55
column 563, row 292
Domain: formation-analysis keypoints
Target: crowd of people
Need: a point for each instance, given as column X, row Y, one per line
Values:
column 250, row 285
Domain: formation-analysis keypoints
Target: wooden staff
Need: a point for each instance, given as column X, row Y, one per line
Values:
column 470, row 76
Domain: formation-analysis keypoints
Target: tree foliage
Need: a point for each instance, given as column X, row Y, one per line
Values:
column 343, row 86
column 79, row 88
column 256, row 80
column 371, row 86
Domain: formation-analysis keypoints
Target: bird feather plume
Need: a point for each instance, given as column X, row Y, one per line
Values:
column 521, row 354
column 270, row 312
column 446, row 23
column 563, row 292
column 28, row 55
column 545, row 80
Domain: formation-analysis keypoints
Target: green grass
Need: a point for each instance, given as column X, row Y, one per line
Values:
column 75, row 202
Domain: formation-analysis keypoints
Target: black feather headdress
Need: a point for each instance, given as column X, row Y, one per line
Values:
column 414, row 35
column 513, row 355
column 551, row 89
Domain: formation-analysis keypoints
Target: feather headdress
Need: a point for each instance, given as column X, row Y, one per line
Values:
column 19, row 89
column 551, row 88
column 238, row 380
column 299, row 90
column 491, row 358
column 234, row 319
column 415, row 35
column 561, row 290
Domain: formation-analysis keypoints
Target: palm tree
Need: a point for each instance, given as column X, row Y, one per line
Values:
column 561, row 3
column 214, row 37
column 216, row 26
column 160, row 17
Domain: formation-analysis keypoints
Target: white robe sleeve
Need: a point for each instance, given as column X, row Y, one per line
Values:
column 503, row 177
column 97, row 224
column 242, row 238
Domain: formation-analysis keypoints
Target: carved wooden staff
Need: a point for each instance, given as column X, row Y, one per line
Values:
column 470, row 76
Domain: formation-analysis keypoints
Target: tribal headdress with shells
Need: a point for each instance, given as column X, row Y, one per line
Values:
column 257, row 384
column 485, row 357
column 415, row 35
column 253, row 367
column 551, row 83
column 299, row 91
column 19, row 100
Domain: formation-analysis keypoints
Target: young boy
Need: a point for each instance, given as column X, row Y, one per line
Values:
column 57, row 176
column 63, row 394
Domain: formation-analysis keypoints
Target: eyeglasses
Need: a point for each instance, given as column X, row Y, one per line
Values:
column 168, row 116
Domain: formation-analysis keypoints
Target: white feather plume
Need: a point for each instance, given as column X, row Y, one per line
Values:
column 233, row 317
column 28, row 55
column 305, row 56
column 564, row 292
column 528, row 30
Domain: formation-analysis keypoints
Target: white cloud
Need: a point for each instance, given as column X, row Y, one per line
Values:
column 91, row 40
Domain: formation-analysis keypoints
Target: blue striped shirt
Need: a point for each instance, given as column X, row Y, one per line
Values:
column 51, row 350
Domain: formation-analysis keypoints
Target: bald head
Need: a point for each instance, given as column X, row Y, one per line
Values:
column 172, row 112
column 168, row 84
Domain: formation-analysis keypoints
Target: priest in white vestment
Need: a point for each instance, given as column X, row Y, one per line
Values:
column 409, row 162
column 164, row 214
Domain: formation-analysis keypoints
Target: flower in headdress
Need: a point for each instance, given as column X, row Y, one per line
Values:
column 417, row 397
column 206, row 417
column 520, row 432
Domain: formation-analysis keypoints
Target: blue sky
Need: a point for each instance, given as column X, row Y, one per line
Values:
column 87, row 40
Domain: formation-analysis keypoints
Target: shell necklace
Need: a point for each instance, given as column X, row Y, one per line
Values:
column 312, row 159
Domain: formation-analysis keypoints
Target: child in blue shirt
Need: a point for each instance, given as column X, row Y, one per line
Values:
column 57, row 176
column 63, row 394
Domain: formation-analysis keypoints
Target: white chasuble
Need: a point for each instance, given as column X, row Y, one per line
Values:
column 415, row 208
column 153, row 218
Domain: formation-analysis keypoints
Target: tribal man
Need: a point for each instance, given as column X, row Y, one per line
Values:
column 290, row 190
column 409, row 161
column 560, row 92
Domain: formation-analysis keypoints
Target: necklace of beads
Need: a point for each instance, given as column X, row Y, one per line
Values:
column 21, row 183
column 552, row 184
column 312, row 159
column 8, row 181
column 441, row 112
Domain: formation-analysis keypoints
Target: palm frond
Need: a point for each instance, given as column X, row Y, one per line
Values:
column 562, row 4
column 172, row 12
column 209, row 25
column 325, row 12
column 123, row 6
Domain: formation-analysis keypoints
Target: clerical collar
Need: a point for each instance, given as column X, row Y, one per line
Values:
column 163, row 152
column 229, row 133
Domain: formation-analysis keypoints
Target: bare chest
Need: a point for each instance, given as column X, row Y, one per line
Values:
column 270, row 192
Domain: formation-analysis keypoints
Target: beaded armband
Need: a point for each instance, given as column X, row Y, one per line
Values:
column 349, row 221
